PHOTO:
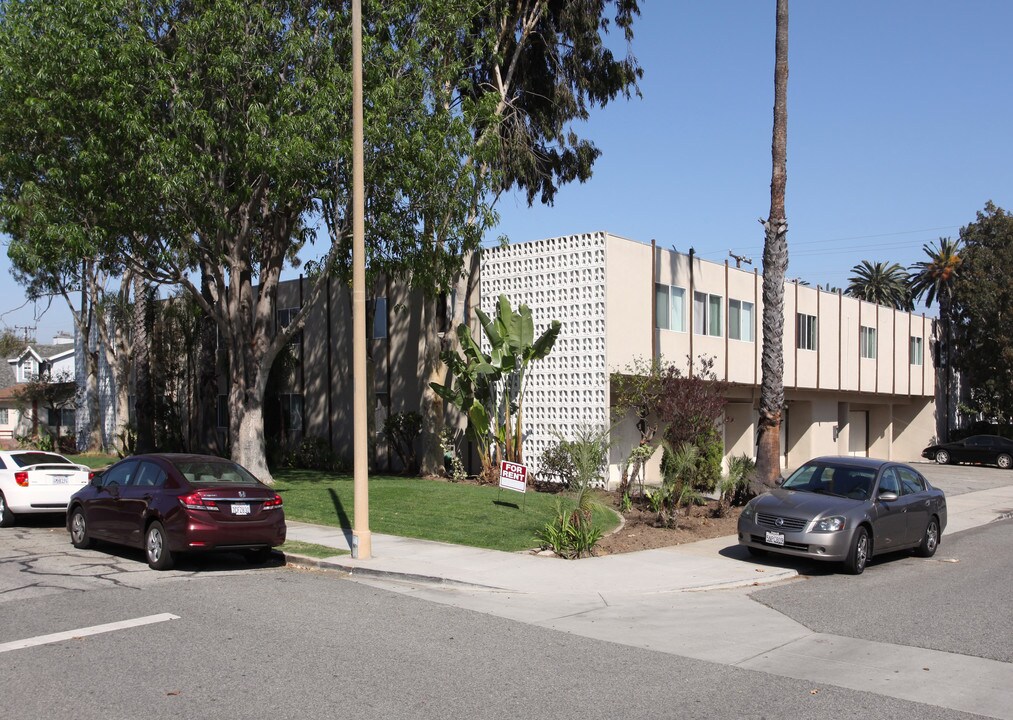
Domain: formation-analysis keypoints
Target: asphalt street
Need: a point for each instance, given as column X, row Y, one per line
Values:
column 284, row 643
column 957, row 602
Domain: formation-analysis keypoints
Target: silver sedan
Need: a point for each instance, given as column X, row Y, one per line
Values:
column 846, row 509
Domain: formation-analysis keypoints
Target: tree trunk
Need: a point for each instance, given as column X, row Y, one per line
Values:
column 433, row 370
column 144, row 405
column 250, row 448
column 207, row 376
column 775, row 265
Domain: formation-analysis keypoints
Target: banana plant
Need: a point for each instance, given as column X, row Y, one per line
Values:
column 489, row 387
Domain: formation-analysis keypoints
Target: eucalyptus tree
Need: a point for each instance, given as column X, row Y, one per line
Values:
column 775, row 265
column 537, row 68
column 881, row 283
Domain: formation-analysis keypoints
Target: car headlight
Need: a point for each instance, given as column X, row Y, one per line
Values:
column 830, row 524
column 749, row 511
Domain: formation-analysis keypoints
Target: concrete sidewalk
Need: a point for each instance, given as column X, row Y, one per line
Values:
column 703, row 565
column 690, row 600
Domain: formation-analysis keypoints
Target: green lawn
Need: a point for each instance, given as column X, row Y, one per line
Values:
column 92, row 460
column 466, row 514
column 311, row 549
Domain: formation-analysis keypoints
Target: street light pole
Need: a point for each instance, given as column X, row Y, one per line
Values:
column 361, row 541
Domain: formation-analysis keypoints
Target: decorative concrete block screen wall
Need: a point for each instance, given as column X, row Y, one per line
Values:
column 559, row 279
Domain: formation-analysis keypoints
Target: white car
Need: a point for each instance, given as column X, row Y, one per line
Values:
column 32, row 481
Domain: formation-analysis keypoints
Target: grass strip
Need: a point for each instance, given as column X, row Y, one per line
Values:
column 310, row 549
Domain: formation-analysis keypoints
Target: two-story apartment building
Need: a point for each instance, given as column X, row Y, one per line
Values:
column 858, row 377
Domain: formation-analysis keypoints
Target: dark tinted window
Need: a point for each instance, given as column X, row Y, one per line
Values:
column 889, row 482
column 120, row 474
column 911, row 481
column 979, row 441
column 39, row 458
column 149, row 475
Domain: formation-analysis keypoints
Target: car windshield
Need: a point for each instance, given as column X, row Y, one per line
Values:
column 831, row 479
column 39, row 458
column 210, row 472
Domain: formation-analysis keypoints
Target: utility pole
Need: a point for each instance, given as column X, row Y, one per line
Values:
column 739, row 259
column 361, row 541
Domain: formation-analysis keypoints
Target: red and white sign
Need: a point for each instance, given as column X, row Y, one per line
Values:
column 513, row 476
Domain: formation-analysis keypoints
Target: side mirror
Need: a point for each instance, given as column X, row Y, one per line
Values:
column 887, row 497
column 96, row 481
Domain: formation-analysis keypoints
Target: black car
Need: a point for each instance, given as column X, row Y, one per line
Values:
column 980, row 449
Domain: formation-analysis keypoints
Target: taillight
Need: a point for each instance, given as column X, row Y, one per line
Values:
column 272, row 503
column 21, row 478
column 91, row 476
column 193, row 501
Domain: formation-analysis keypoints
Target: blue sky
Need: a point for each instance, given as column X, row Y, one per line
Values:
column 898, row 133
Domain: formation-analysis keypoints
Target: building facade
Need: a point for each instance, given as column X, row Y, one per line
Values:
column 858, row 377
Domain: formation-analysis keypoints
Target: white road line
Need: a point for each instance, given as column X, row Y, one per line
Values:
column 93, row 630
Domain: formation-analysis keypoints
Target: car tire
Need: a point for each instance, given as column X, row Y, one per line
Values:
column 258, row 556
column 156, row 548
column 1005, row 461
column 79, row 530
column 756, row 552
column 942, row 457
column 861, row 551
column 930, row 539
column 7, row 518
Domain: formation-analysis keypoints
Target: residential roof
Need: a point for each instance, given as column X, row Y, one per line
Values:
column 7, row 376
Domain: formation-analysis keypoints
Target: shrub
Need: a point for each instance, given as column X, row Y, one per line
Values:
column 734, row 487
column 572, row 533
column 579, row 462
column 313, row 453
column 451, row 460
column 401, row 429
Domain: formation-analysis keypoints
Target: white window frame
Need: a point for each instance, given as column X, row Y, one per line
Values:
column 917, row 350
column 867, row 342
column 738, row 329
column 806, row 331
column 5, row 417
column 674, row 305
column 704, row 307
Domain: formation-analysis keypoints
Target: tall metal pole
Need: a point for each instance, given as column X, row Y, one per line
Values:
column 361, row 541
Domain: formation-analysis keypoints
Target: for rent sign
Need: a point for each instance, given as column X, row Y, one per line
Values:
column 513, row 476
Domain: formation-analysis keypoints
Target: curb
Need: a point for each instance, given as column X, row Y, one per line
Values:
column 310, row 563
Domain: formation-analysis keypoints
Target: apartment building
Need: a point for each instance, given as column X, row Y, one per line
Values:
column 858, row 377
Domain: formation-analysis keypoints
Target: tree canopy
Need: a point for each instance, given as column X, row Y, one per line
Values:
column 982, row 313
column 881, row 283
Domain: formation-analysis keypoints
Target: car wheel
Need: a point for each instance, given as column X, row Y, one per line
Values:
column 861, row 549
column 942, row 457
column 756, row 552
column 930, row 539
column 258, row 556
column 1004, row 461
column 6, row 516
column 79, row 530
column 156, row 547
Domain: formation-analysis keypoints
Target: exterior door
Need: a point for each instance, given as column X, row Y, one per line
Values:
column 890, row 527
column 858, row 433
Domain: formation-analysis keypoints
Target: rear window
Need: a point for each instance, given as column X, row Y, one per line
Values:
column 214, row 473
column 39, row 458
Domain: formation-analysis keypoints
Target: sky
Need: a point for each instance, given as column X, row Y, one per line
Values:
column 898, row 134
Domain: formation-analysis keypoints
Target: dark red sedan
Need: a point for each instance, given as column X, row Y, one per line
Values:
column 171, row 504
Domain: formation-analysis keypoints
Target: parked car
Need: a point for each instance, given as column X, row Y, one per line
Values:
column 32, row 481
column 982, row 449
column 171, row 504
column 846, row 509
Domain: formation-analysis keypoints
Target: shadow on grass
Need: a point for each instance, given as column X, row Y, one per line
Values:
column 504, row 503
column 343, row 520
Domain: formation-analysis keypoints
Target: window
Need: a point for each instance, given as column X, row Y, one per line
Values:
column 910, row 481
column 376, row 318
column 889, row 482
column 119, row 474
column 285, row 317
column 223, row 411
column 670, row 303
column 706, row 314
column 740, row 320
column 916, row 351
column 62, row 417
column 149, row 475
column 805, row 331
column 868, row 342
column 28, row 370
column 4, row 416
column 291, row 411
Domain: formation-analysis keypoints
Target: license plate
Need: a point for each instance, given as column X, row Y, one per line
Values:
column 60, row 479
column 775, row 538
column 240, row 508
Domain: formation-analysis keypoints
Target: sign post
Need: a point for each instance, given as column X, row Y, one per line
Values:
column 513, row 476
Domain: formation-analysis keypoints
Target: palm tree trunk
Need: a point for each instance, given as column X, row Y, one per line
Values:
column 775, row 265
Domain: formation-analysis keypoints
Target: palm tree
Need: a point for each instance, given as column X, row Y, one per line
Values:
column 775, row 264
column 881, row 283
column 933, row 280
